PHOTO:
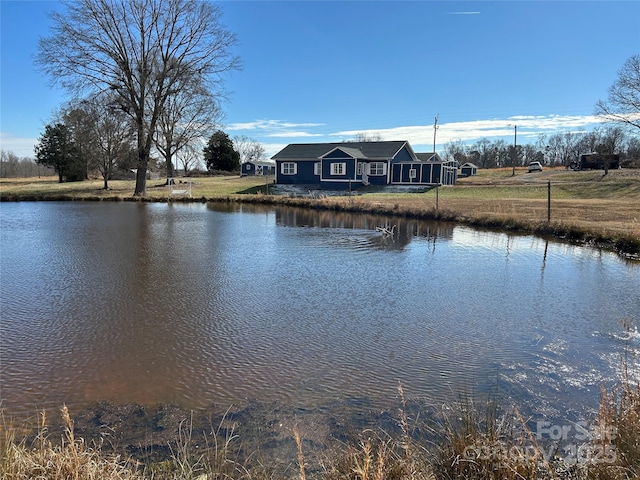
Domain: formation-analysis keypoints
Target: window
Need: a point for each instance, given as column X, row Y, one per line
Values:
column 338, row 168
column 317, row 168
column 360, row 168
column 377, row 168
column 412, row 173
column 289, row 168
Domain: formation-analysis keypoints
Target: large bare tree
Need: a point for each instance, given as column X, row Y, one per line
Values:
column 144, row 51
column 187, row 117
column 623, row 103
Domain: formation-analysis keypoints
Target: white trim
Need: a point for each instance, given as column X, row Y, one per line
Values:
column 288, row 165
column 377, row 166
column 338, row 168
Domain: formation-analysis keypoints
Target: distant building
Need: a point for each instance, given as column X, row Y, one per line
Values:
column 350, row 165
column 468, row 169
column 258, row 167
column 597, row 161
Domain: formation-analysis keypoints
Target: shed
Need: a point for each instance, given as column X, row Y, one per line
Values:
column 468, row 169
column 258, row 167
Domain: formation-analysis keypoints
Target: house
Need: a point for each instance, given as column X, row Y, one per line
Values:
column 257, row 167
column 350, row 165
column 468, row 169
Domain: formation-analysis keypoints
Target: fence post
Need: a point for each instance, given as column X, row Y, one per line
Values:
column 548, row 201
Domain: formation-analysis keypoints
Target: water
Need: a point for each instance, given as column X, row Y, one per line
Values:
column 205, row 303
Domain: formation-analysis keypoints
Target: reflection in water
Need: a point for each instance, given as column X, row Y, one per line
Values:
column 405, row 229
column 544, row 256
column 219, row 303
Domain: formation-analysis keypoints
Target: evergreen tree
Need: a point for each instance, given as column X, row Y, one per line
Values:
column 56, row 149
column 219, row 153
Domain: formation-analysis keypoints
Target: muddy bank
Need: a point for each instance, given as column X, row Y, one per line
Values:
column 257, row 433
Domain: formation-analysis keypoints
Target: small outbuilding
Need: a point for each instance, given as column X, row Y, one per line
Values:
column 597, row 161
column 258, row 167
column 468, row 169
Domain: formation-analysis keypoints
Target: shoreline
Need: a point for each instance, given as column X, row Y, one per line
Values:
column 269, row 440
column 627, row 247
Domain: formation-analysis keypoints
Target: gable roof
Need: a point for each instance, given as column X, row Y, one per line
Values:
column 264, row 163
column 429, row 157
column 352, row 152
column 365, row 150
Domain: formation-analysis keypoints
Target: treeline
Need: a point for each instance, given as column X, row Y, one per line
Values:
column 561, row 149
column 12, row 166
column 90, row 139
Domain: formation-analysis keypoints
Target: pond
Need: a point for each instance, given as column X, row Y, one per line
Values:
column 194, row 304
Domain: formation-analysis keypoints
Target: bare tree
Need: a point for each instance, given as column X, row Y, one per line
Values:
column 623, row 103
column 13, row 166
column 590, row 140
column 501, row 151
column 8, row 164
column 144, row 51
column 103, row 133
column 367, row 137
column 248, row 148
column 190, row 156
column 187, row 116
column 531, row 154
column 456, row 150
column 565, row 144
column 633, row 151
column 483, row 147
column 611, row 141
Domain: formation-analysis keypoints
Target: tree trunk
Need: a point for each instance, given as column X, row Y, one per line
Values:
column 169, row 163
column 141, row 174
column 143, row 159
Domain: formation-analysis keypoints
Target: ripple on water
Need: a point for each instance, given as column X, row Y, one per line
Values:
column 186, row 304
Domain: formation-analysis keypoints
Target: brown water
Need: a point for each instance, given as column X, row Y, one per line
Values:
column 200, row 304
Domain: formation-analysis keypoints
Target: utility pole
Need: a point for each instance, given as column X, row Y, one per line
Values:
column 515, row 145
column 435, row 129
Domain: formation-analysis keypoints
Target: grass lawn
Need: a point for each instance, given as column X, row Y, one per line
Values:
column 585, row 206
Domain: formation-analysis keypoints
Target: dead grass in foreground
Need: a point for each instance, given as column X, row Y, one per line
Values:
column 470, row 440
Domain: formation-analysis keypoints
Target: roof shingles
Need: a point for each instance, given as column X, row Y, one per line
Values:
column 314, row 151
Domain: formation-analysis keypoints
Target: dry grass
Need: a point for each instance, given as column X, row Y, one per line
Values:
column 618, row 422
column 71, row 459
column 480, row 442
column 380, row 456
column 473, row 440
column 46, row 188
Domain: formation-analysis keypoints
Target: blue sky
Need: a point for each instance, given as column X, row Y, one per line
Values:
column 324, row 71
